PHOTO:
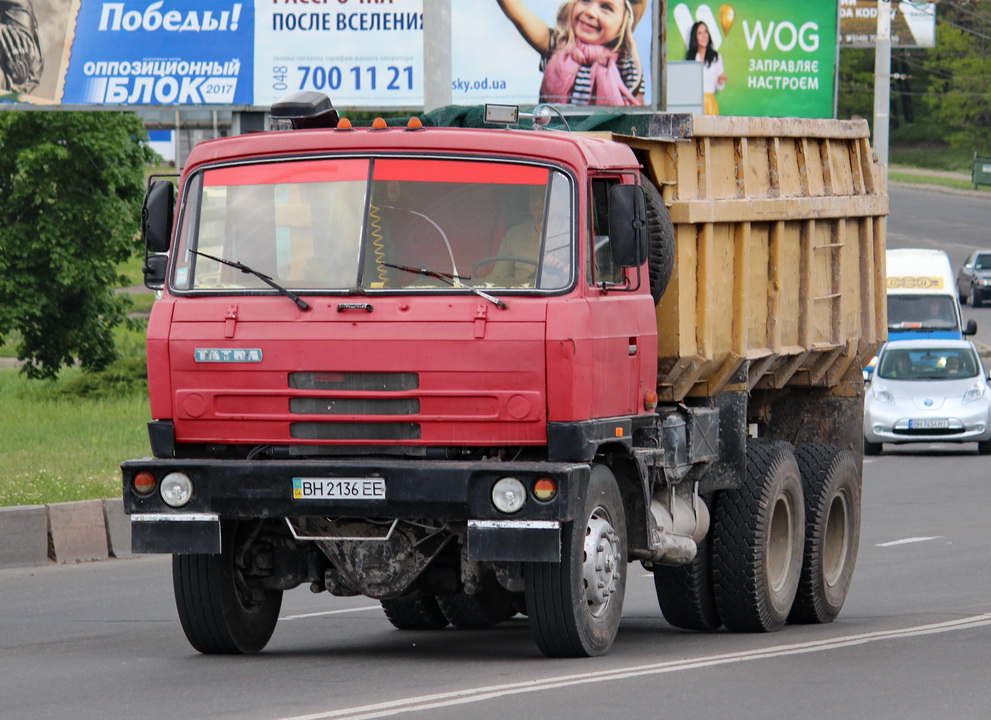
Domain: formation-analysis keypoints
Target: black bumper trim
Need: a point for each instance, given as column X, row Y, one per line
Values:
column 437, row 490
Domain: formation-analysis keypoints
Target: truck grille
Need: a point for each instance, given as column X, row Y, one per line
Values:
column 354, row 431
column 357, row 381
column 354, row 382
column 354, row 406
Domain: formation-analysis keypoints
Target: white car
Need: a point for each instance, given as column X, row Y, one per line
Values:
column 928, row 391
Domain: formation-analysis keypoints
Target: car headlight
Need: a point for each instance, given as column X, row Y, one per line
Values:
column 984, row 281
column 884, row 395
column 975, row 392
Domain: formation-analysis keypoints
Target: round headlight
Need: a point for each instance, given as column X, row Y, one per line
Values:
column 508, row 495
column 176, row 489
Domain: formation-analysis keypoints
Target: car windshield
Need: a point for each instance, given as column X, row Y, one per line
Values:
column 983, row 262
column 928, row 364
column 377, row 224
column 931, row 312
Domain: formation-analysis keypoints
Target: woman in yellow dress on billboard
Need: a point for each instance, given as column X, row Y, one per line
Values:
column 713, row 75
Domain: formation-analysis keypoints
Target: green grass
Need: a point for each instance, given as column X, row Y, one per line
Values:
column 57, row 447
column 932, row 157
column 895, row 176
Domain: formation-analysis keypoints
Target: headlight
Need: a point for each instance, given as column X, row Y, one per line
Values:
column 984, row 281
column 177, row 489
column 508, row 495
column 975, row 392
column 884, row 395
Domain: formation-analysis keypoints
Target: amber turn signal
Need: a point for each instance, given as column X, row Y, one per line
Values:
column 544, row 489
column 144, row 483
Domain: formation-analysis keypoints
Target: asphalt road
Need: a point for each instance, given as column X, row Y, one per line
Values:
column 102, row 640
column 957, row 222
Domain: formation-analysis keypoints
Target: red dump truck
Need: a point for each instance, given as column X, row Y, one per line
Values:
column 475, row 373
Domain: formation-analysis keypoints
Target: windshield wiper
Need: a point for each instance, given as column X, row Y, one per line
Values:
column 303, row 305
column 452, row 280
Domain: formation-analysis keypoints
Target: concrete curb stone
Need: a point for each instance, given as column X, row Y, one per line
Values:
column 23, row 536
column 118, row 527
column 78, row 531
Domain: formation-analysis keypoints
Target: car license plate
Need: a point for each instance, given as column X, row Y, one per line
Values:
column 929, row 424
column 367, row 488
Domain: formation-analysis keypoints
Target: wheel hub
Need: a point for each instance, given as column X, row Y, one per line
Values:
column 601, row 566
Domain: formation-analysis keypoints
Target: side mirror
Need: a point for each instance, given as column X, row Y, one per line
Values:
column 970, row 328
column 628, row 225
column 156, row 216
column 154, row 271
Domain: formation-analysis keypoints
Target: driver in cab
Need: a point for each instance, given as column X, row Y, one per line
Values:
column 518, row 251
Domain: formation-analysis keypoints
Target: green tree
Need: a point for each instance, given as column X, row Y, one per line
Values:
column 960, row 81
column 71, row 188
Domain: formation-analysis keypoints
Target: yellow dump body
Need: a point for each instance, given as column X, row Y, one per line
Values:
column 780, row 235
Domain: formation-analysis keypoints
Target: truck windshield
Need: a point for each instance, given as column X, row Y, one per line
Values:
column 357, row 224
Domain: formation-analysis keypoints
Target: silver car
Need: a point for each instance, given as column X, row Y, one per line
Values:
column 974, row 278
column 928, row 391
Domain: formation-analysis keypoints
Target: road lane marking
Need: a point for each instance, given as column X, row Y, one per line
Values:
column 490, row 692
column 331, row 612
column 906, row 541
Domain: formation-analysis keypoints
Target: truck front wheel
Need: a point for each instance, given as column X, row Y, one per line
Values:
column 575, row 605
column 220, row 612
column 831, row 480
column 758, row 540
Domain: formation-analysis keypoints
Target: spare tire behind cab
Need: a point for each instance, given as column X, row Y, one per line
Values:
column 660, row 229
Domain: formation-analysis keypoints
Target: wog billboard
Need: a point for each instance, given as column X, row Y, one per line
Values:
column 761, row 57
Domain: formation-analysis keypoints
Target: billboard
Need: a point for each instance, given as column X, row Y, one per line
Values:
column 773, row 58
column 913, row 24
column 524, row 56
column 360, row 52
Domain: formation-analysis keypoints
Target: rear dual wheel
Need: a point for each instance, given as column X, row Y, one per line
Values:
column 491, row 605
column 422, row 613
column 831, row 482
column 758, row 541
column 685, row 593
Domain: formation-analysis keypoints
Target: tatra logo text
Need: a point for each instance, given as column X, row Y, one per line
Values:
column 228, row 355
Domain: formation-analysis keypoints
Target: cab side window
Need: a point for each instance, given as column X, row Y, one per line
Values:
column 601, row 268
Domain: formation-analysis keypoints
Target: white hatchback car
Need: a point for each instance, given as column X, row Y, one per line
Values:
column 928, row 391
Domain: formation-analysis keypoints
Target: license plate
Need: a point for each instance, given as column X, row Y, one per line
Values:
column 929, row 424
column 371, row 488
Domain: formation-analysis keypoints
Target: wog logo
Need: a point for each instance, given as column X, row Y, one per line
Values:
column 784, row 35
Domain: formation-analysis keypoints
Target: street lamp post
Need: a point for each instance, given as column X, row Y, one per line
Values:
column 882, row 81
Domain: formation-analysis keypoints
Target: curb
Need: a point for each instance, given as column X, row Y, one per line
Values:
column 61, row 533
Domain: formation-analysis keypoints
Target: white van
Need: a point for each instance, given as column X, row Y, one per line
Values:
column 922, row 296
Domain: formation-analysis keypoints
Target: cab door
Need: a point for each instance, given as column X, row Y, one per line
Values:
column 622, row 321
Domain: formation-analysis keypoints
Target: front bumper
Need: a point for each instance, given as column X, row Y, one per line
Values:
column 455, row 492
column 892, row 424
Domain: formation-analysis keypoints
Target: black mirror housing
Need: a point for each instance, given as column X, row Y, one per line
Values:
column 628, row 225
column 971, row 327
column 156, row 216
column 154, row 271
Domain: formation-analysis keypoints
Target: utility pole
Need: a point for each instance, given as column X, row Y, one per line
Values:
column 436, row 54
column 882, row 81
